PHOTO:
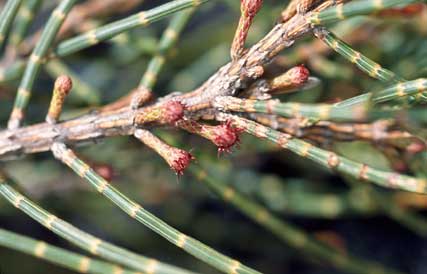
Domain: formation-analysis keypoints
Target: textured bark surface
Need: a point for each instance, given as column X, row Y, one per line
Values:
column 229, row 80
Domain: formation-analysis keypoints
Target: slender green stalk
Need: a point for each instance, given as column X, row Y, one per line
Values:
column 315, row 111
column 82, row 239
column 352, row 109
column 288, row 233
column 58, row 256
column 329, row 69
column 353, row 8
column 362, row 62
column 330, row 160
column 400, row 90
column 114, row 29
column 6, row 18
column 13, row 72
column 23, row 20
column 46, row 39
column 136, row 211
column 414, row 116
column 111, row 30
column 168, row 40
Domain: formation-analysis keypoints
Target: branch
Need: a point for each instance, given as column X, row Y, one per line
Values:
column 227, row 81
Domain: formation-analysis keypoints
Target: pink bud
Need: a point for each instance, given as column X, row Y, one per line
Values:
column 225, row 136
column 173, row 111
column 63, row 84
column 179, row 160
column 298, row 75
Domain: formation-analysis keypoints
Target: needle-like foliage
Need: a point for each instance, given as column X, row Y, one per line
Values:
column 354, row 120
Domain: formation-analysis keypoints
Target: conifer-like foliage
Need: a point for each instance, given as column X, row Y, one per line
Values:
column 122, row 118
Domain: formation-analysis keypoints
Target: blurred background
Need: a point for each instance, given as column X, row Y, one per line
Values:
column 346, row 215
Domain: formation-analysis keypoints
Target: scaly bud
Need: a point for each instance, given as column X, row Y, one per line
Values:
column 291, row 79
column 63, row 85
column 224, row 136
column 173, row 111
column 176, row 158
column 179, row 160
column 248, row 10
column 295, row 76
column 167, row 112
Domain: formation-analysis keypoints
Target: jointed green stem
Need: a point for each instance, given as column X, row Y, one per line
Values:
column 365, row 64
column 82, row 239
column 352, row 109
column 58, row 256
column 82, row 41
column 136, row 211
column 108, row 31
column 46, row 39
column 287, row 232
column 168, row 40
column 6, row 18
column 315, row 111
column 23, row 20
column 400, row 90
column 330, row 160
column 111, row 30
column 353, row 8
column 13, row 72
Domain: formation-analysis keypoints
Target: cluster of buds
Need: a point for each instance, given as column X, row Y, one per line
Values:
column 248, row 9
column 224, row 136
